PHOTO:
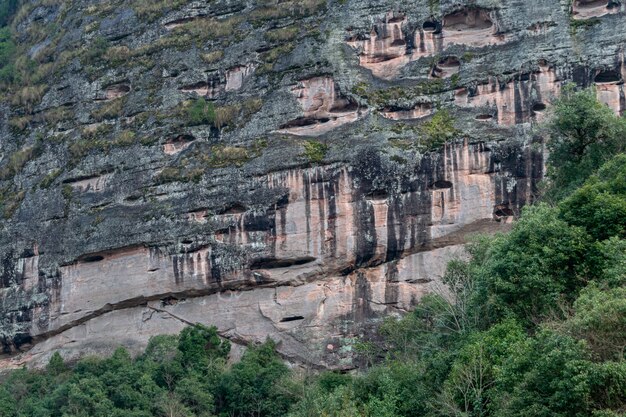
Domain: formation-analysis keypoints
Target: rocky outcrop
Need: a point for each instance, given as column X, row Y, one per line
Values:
column 339, row 248
column 324, row 109
column 308, row 202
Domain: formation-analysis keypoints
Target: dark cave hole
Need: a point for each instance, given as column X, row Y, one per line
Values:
column 430, row 26
column 377, row 195
column 303, row 122
column 593, row 4
column 272, row 263
column 92, row 258
column 181, row 139
column 502, row 211
column 291, row 318
column 441, row 184
column 484, row 117
column 449, row 62
column 538, row 107
column 606, row 77
column 234, row 208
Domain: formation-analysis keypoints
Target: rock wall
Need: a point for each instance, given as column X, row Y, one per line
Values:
column 310, row 202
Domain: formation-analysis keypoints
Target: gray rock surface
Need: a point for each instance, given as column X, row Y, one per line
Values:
column 314, row 205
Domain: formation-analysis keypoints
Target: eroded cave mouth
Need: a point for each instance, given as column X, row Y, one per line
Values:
column 608, row 77
column 304, row 122
column 484, row 117
column 180, row 140
column 592, row 4
column 449, row 62
column 503, row 210
column 91, row 258
column 117, row 90
column 291, row 318
column 441, row 184
column 234, row 208
column 468, row 20
column 377, row 195
column 431, row 26
column 538, row 107
column 273, row 263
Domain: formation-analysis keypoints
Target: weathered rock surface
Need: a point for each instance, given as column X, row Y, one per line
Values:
column 127, row 221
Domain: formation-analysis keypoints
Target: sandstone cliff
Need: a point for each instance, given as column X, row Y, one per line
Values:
column 312, row 203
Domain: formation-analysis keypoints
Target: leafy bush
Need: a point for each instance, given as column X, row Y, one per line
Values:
column 439, row 129
column 315, row 151
column 200, row 112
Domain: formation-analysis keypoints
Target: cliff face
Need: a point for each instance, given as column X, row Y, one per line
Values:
column 312, row 202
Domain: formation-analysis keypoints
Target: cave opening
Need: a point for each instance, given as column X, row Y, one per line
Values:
column 591, row 4
column 467, row 20
column 484, row 117
column 430, row 26
column 234, row 208
column 273, row 263
column 538, row 107
column 291, row 318
column 441, row 184
column 608, row 77
column 92, row 258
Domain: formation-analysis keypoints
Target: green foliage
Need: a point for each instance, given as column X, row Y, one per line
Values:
column 600, row 318
column 200, row 112
column 315, row 151
column 546, row 375
column 199, row 344
column 249, row 387
column 7, row 53
column 584, row 134
column 7, row 10
column 439, row 129
column 529, row 272
column 600, row 204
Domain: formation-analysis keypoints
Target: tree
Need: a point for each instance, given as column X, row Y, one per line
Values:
column 600, row 204
column 545, row 376
column 466, row 391
column 248, row 389
column 584, row 134
column 198, row 344
column 600, row 319
column 530, row 272
column 56, row 365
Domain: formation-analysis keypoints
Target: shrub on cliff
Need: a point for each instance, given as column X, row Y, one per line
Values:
column 200, row 112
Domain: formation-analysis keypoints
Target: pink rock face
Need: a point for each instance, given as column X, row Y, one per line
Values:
column 230, row 80
column 519, row 101
column 179, row 22
column 91, row 184
column 323, row 109
column 446, row 67
column 205, row 89
column 236, row 76
column 312, row 271
column 473, row 27
column 610, row 90
column 417, row 112
column 385, row 51
column 586, row 9
column 177, row 144
column 116, row 91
